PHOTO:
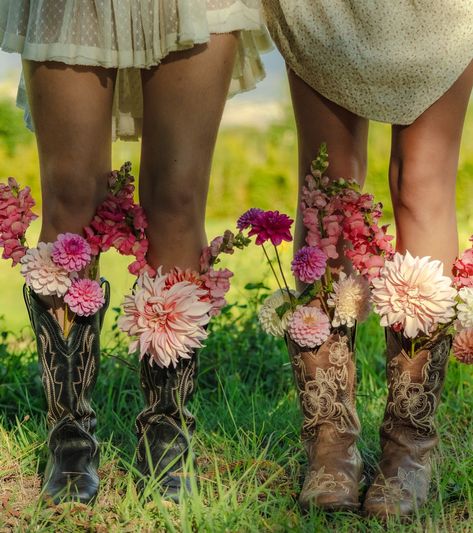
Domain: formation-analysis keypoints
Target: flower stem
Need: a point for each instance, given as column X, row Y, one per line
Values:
column 272, row 268
column 291, row 297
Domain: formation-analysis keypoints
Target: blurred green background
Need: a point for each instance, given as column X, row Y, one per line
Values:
column 255, row 164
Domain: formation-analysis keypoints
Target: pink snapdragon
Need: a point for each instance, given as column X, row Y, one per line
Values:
column 15, row 217
column 463, row 269
column 71, row 251
column 217, row 282
column 85, row 297
column 120, row 223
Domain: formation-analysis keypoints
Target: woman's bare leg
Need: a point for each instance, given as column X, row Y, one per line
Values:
column 71, row 108
column 320, row 121
column 183, row 103
column 423, row 169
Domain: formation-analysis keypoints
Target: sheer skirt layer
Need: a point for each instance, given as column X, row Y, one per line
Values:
column 130, row 35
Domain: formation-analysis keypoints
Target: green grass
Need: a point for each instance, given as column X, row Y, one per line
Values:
column 250, row 460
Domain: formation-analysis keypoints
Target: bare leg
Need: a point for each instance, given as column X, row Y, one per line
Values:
column 71, row 108
column 319, row 120
column 423, row 168
column 183, row 103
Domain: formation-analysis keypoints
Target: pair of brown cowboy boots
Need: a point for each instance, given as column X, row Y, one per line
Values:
column 326, row 382
column 69, row 369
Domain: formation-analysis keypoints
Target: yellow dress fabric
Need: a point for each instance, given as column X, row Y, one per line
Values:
column 130, row 35
column 386, row 60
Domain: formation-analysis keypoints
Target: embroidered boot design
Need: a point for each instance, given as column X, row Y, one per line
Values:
column 408, row 433
column 326, row 382
column 165, row 426
column 69, row 368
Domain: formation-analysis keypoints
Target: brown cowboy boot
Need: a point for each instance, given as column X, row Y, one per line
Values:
column 326, row 382
column 408, row 433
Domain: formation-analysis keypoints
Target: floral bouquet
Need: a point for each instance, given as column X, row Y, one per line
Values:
column 338, row 219
column 68, row 267
column 167, row 313
column 421, row 304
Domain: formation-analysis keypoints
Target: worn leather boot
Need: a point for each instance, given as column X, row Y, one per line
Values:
column 69, row 368
column 165, row 426
column 326, row 382
column 408, row 433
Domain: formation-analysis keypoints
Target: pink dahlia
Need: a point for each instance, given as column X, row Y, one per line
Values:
column 71, row 251
column 271, row 226
column 463, row 346
column 309, row 264
column 414, row 292
column 42, row 274
column 85, row 297
column 249, row 218
column 168, row 322
column 309, row 326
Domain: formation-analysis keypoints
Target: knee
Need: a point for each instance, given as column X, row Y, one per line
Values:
column 72, row 191
column 421, row 190
column 177, row 189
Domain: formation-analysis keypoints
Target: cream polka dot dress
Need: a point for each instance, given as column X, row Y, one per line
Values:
column 385, row 60
column 129, row 35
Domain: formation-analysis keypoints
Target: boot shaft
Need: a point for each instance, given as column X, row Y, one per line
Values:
column 68, row 366
column 326, row 383
column 415, row 385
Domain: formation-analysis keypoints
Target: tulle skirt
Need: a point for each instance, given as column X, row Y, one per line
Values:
column 129, row 35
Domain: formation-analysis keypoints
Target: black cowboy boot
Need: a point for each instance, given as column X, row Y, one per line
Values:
column 69, row 368
column 165, row 426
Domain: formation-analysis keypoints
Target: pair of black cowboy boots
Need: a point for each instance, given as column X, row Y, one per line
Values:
column 69, row 368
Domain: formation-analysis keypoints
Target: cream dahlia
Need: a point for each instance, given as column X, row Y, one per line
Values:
column 167, row 321
column 413, row 292
column 463, row 346
column 309, row 326
column 465, row 307
column 42, row 274
column 268, row 318
column 351, row 300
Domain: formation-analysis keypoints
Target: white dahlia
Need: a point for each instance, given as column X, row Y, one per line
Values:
column 269, row 319
column 413, row 292
column 351, row 300
column 42, row 274
column 465, row 308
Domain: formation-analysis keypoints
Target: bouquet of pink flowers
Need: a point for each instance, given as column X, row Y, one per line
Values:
column 419, row 302
column 58, row 269
column 167, row 313
column 337, row 217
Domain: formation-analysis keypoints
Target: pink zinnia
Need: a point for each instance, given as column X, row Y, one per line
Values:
column 249, row 218
column 84, row 297
column 71, row 251
column 271, row 226
column 309, row 327
column 463, row 346
column 309, row 264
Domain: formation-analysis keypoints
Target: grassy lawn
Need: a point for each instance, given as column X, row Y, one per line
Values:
column 250, row 461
